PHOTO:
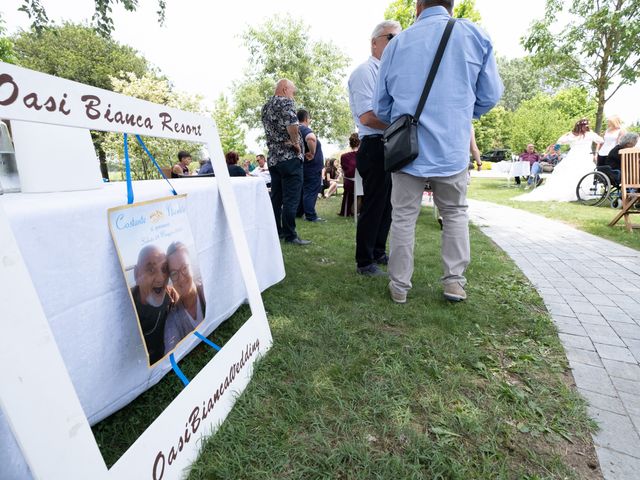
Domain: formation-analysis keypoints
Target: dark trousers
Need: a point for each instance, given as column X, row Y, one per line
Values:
column 311, row 183
column 375, row 216
column 286, row 185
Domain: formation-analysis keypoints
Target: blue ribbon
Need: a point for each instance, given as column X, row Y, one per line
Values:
column 127, row 167
column 144, row 147
column 207, row 341
column 177, row 370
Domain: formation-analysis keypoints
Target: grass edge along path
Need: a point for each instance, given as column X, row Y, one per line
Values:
column 357, row 387
column 594, row 220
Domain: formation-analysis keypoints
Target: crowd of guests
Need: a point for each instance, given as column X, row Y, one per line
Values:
column 378, row 94
column 466, row 88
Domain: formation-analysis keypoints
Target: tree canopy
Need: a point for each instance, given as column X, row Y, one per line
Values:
column 282, row 48
column 103, row 23
column 6, row 45
column 232, row 135
column 522, row 81
column 78, row 53
column 157, row 90
column 404, row 11
column 597, row 45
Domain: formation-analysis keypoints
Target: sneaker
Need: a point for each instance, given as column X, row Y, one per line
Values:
column 454, row 292
column 316, row 220
column 298, row 241
column 382, row 260
column 371, row 271
column 397, row 297
column 539, row 182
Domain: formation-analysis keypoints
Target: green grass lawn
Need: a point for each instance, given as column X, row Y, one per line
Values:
column 356, row 387
column 594, row 220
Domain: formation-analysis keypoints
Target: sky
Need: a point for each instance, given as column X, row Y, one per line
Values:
column 199, row 47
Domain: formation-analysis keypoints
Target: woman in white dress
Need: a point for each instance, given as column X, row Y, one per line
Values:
column 611, row 138
column 561, row 185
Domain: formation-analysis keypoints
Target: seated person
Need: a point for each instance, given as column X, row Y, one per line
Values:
column 205, row 167
column 235, row 170
column 329, row 178
column 552, row 154
column 262, row 170
column 628, row 140
column 550, row 157
column 181, row 168
column 248, row 166
column 529, row 155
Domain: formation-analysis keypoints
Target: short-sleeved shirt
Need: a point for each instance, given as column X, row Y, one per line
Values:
column 278, row 114
column 316, row 164
column 362, row 84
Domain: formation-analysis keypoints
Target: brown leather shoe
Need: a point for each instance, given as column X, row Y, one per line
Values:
column 454, row 292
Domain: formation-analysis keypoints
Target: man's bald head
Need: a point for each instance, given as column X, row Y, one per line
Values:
column 285, row 88
column 151, row 275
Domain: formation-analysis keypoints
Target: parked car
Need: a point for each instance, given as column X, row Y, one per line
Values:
column 497, row 155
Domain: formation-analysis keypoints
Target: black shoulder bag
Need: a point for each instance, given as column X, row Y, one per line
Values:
column 401, row 137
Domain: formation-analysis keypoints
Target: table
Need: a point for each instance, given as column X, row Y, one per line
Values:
column 513, row 169
column 65, row 241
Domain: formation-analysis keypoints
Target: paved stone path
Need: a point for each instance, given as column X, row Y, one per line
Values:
column 591, row 286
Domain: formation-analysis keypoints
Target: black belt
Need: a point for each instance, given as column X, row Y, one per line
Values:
column 372, row 137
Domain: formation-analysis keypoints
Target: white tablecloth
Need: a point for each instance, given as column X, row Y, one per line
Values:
column 513, row 169
column 65, row 241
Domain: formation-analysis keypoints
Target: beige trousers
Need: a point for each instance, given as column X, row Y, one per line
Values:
column 450, row 196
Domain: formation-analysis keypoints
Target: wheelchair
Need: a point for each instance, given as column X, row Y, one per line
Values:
column 596, row 187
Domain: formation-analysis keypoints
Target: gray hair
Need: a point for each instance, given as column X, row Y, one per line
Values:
column 629, row 139
column 387, row 24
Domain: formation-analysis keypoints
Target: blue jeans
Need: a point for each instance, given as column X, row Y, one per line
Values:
column 312, row 181
column 535, row 173
column 286, row 185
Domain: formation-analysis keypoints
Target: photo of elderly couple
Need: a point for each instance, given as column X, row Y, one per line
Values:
column 156, row 251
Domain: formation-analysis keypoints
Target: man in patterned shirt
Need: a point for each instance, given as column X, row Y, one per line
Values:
column 285, row 159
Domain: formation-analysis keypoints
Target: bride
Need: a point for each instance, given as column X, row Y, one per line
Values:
column 561, row 185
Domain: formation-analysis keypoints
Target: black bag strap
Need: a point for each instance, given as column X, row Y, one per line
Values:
column 434, row 67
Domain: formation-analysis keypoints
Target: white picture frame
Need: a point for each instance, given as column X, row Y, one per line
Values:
column 52, row 429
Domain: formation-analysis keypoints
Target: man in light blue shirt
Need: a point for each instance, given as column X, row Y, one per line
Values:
column 466, row 86
column 375, row 215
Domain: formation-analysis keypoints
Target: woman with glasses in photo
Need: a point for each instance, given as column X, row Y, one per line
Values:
column 189, row 310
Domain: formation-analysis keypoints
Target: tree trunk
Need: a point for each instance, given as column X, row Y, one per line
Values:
column 600, row 111
column 102, row 156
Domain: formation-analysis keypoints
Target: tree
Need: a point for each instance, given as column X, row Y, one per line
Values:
column 544, row 118
column 492, row 129
column 6, row 45
column 467, row 9
column 102, row 18
column 281, row 48
column 232, row 135
column 522, row 81
column 598, row 48
column 404, row 11
column 157, row 90
column 78, row 53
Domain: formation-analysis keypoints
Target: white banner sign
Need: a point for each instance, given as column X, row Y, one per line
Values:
column 57, row 441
